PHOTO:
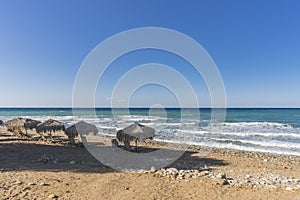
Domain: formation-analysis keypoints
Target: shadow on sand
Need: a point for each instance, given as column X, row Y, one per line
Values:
column 23, row 154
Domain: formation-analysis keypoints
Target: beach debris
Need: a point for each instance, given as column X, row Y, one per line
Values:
column 80, row 128
column 135, row 132
column 47, row 159
column 50, row 126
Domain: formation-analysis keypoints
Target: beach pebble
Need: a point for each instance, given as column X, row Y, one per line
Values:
column 152, row 169
column 222, row 182
column 47, row 159
column 44, row 184
column 72, row 162
column 221, row 176
column 127, row 188
column 187, row 175
column 289, row 188
column 204, row 173
column 26, row 188
column 31, row 183
column 18, row 182
column 52, row 196
column 173, row 170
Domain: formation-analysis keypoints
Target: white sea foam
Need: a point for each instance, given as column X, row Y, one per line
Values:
column 268, row 134
column 254, row 124
column 234, row 146
column 242, row 134
column 269, row 143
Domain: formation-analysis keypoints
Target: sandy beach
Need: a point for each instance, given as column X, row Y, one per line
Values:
column 41, row 170
column 156, row 100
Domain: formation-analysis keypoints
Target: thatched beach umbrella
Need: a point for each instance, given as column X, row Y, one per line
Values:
column 50, row 126
column 31, row 124
column 80, row 128
column 17, row 124
column 135, row 132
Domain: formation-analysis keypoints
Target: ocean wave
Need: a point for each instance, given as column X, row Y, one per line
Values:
column 235, row 146
column 261, row 134
column 254, row 125
column 243, row 134
column 265, row 143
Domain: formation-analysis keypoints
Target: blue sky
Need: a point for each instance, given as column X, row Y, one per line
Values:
column 255, row 44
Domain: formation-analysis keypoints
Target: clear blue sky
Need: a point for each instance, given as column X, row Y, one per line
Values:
column 255, row 44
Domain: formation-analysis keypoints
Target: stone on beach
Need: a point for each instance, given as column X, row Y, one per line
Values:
column 204, row 173
column 221, row 176
column 152, row 169
column 47, row 159
column 52, row 196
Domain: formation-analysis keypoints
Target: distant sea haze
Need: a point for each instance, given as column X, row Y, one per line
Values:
column 271, row 130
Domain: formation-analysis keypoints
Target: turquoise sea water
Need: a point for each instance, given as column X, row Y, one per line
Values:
column 265, row 130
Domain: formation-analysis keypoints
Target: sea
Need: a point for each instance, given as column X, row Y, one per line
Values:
column 270, row 130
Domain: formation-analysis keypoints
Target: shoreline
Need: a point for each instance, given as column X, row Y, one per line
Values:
column 219, row 174
column 183, row 146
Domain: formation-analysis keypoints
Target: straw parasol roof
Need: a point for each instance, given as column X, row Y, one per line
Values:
column 17, row 124
column 80, row 128
column 50, row 125
column 14, row 123
column 31, row 123
column 135, row 132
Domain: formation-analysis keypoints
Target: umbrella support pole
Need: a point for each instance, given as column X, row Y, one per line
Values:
column 72, row 141
column 136, row 146
column 127, row 145
column 50, row 135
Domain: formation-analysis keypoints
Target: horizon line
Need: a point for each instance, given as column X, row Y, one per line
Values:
column 60, row 107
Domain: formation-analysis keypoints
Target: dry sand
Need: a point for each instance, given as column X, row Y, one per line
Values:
column 77, row 175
